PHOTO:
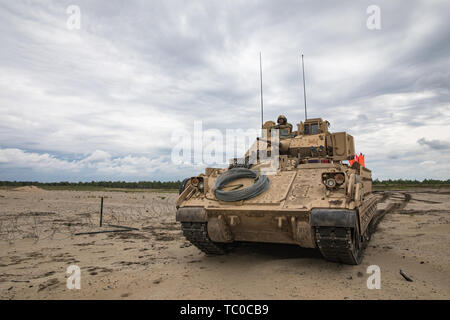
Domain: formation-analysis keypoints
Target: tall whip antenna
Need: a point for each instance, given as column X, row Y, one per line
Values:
column 304, row 87
column 262, row 103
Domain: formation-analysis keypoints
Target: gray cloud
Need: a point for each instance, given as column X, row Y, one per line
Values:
column 435, row 144
column 138, row 70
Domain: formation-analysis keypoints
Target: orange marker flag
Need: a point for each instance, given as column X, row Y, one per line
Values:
column 361, row 160
column 352, row 161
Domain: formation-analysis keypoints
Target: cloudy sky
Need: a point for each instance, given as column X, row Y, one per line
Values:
column 101, row 102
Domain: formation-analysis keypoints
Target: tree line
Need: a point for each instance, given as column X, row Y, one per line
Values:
column 411, row 182
column 105, row 184
column 176, row 184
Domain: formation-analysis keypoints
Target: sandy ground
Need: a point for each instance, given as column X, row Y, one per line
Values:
column 38, row 242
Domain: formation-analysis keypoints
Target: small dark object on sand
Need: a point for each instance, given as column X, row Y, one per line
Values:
column 405, row 276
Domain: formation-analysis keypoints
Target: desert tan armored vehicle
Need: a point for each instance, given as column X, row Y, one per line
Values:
column 313, row 199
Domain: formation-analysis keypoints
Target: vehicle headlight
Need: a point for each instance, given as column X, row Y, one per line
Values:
column 333, row 179
column 331, row 183
column 340, row 178
column 195, row 181
column 198, row 183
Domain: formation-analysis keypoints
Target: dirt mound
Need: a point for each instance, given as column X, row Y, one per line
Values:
column 28, row 188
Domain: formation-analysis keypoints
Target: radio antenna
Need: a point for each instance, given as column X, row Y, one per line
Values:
column 262, row 103
column 304, row 86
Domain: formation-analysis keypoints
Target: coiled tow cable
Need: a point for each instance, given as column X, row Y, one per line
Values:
column 260, row 185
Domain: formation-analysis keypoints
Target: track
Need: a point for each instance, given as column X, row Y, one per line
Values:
column 339, row 245
column 345, row 245
column 197, row 234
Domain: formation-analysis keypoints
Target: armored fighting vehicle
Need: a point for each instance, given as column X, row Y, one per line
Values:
column 313, row 199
